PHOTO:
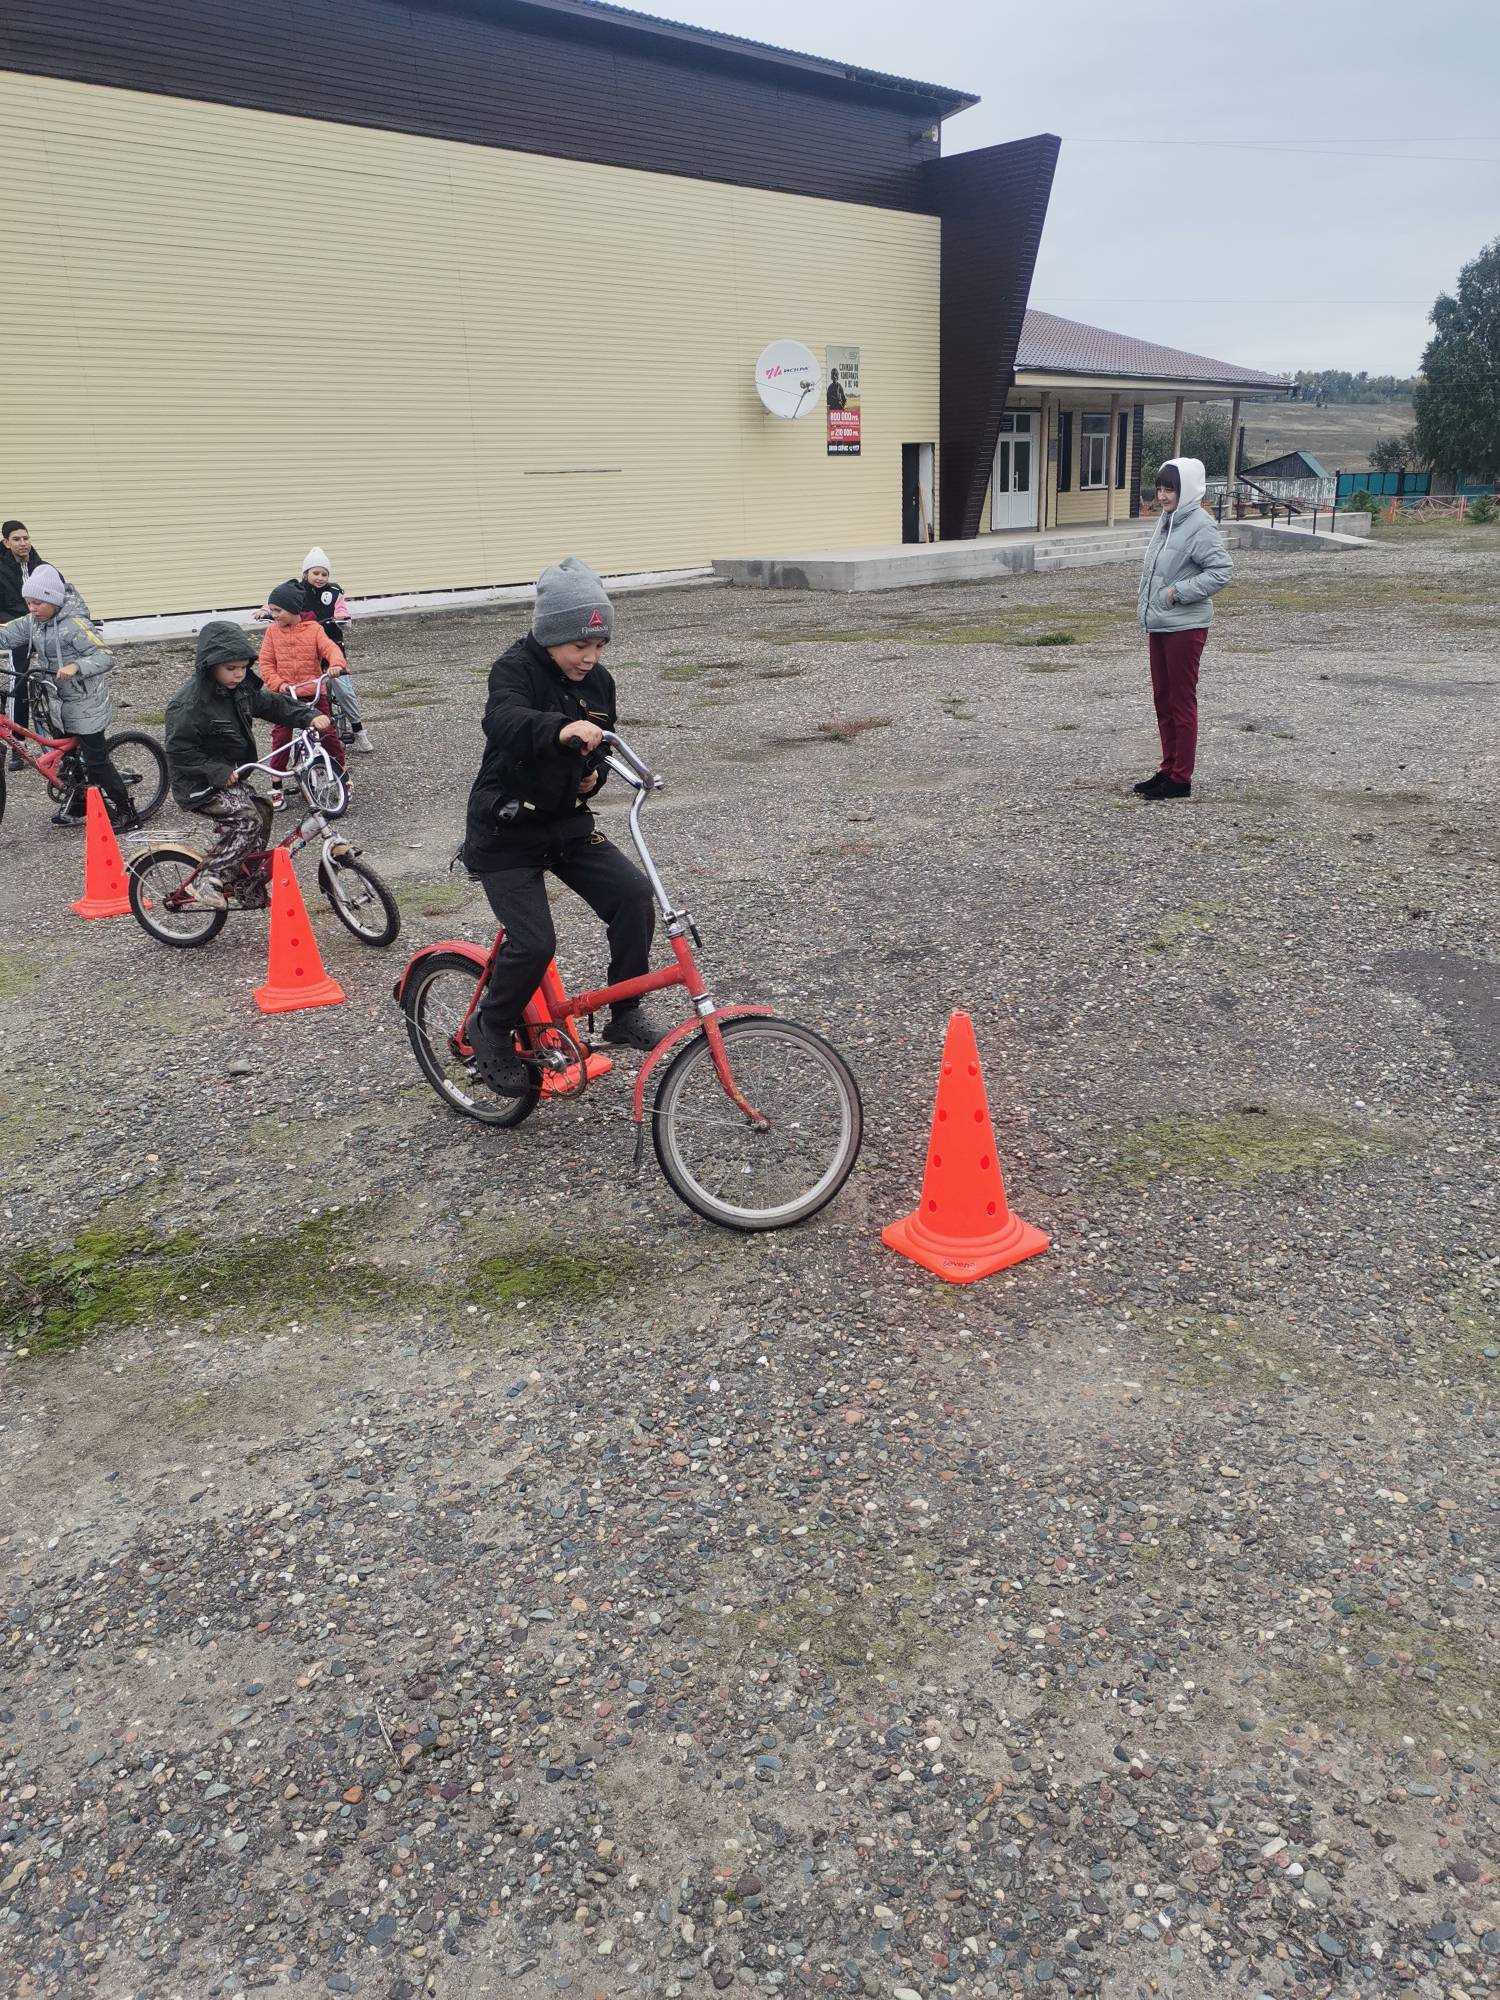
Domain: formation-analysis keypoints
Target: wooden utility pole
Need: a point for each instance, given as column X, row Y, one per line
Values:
column 1234, row 450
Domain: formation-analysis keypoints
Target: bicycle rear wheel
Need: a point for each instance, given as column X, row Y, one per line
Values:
column 734, row 1173
column 156, row 880
column 435, row 1002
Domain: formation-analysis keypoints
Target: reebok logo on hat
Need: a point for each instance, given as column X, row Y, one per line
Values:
column 596, row 620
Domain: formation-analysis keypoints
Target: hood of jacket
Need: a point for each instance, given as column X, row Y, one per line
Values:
column 1193, row 484
column 220, row 643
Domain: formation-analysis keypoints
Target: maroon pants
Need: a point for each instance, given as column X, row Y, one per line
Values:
column 281, row 735
column 1174, row 689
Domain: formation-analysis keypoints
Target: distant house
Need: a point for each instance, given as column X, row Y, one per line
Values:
column 1295, row 475
column 1069, row 449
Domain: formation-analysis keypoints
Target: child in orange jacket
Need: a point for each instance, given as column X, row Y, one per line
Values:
column 294, row 654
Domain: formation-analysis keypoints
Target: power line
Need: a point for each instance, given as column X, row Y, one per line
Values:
column 1116, row 299
column 1318, row 152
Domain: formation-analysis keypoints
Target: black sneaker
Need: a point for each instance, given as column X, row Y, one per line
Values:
column 125, row 819
column 1173, row 788
column 68, row 815
column 632, row 1029
column 1150, row 785
column 497, row 1064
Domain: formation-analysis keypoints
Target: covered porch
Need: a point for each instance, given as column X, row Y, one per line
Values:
column 1068, row 451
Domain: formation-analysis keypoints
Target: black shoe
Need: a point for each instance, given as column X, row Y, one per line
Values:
column 632, row 1028
column 1148, row 787
column 17, row 761
column 497, row 1064
column 125, row 819
column 1172, row 788
column 68, row 816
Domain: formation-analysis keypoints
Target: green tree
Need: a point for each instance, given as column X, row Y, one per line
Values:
column 1205, row 435
column 1458, row 401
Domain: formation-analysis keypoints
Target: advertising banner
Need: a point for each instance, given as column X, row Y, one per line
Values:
column 843, row 402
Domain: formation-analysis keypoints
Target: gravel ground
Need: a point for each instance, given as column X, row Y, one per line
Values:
column 436, row 1563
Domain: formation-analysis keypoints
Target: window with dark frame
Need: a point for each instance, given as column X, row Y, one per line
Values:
column 1093, row 450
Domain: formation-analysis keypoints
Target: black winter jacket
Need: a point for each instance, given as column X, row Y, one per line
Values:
column 209, row 726
column 530, row 702
column 12, row 600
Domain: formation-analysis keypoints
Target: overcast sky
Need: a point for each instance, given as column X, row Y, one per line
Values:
column 1280, row 259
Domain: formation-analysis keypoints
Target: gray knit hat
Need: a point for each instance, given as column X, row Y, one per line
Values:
column 572, row 607
column 44, row 586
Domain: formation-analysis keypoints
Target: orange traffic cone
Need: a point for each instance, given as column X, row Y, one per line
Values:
column 962, row 1228
column 104, row 890
column 294, row 976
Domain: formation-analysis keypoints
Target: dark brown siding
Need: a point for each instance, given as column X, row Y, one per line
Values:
column 576, row 90
column 992, row 204
column 1137, row 446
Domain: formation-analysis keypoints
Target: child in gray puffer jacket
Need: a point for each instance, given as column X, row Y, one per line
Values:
column 1186, row 563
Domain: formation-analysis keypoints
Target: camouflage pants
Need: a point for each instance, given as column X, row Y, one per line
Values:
column 243, row 822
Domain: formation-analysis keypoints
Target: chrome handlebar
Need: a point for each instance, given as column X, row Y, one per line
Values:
column 626, row 764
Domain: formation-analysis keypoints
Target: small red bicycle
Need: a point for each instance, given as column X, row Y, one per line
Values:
column 756, row 1121
column 139, row 758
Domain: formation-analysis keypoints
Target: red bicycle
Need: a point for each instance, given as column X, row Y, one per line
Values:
column 756, row 1121
column 139, row 758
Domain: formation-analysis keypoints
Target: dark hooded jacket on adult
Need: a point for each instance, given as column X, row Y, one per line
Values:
column 209, row 726
column 525, row 767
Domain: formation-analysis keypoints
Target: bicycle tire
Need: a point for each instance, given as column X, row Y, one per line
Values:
column 4, row 759
column 687, row 1068
column 390, row 927
column 137, row 880
column 429, row 1044
column 331, row 797
column 150, row 788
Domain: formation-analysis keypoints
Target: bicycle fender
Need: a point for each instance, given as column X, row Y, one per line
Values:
column 462, row 945
column 680, row 1034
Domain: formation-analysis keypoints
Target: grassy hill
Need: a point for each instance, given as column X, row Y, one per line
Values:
column 1340, row 434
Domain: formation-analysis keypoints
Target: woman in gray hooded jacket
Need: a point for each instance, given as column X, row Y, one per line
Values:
column 1186, row 562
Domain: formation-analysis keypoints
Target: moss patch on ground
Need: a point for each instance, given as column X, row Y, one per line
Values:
column 1234, row 1353
column 1242, row 1144
column 17, row 972
column 1179, row 927
column 1388, row 1677
column 546, row 1276
column 113, row 1277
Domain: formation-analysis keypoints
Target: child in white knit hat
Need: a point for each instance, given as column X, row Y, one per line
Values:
column 325, row 604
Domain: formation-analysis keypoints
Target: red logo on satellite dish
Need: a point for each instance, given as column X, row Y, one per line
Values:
column 596, row 621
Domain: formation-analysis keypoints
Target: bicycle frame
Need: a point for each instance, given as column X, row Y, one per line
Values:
column 47, row 757
column 305, row 746
column 552, row 1008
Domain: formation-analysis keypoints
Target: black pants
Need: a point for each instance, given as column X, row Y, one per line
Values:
column 99, row 770
column 591, row 866
column 18, row 701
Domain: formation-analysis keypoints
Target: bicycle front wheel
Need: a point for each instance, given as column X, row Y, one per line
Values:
column 738, row 1174
column 142, row 763
column 361, row 901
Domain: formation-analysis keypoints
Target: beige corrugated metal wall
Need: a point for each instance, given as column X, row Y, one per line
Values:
column 248, row 333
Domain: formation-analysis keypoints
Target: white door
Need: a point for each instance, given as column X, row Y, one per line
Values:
column 1013, row 478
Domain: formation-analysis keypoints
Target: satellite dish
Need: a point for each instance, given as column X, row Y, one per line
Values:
column 788, row 379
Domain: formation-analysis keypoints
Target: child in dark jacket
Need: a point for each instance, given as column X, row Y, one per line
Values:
column 210, row 732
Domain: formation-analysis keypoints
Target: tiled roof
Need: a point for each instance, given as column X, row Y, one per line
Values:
column 1050, row 345
column 936, row 94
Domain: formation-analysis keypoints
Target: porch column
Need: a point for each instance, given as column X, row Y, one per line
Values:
column 1177, row 428
column 1234, row 449
column 1109, row 463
